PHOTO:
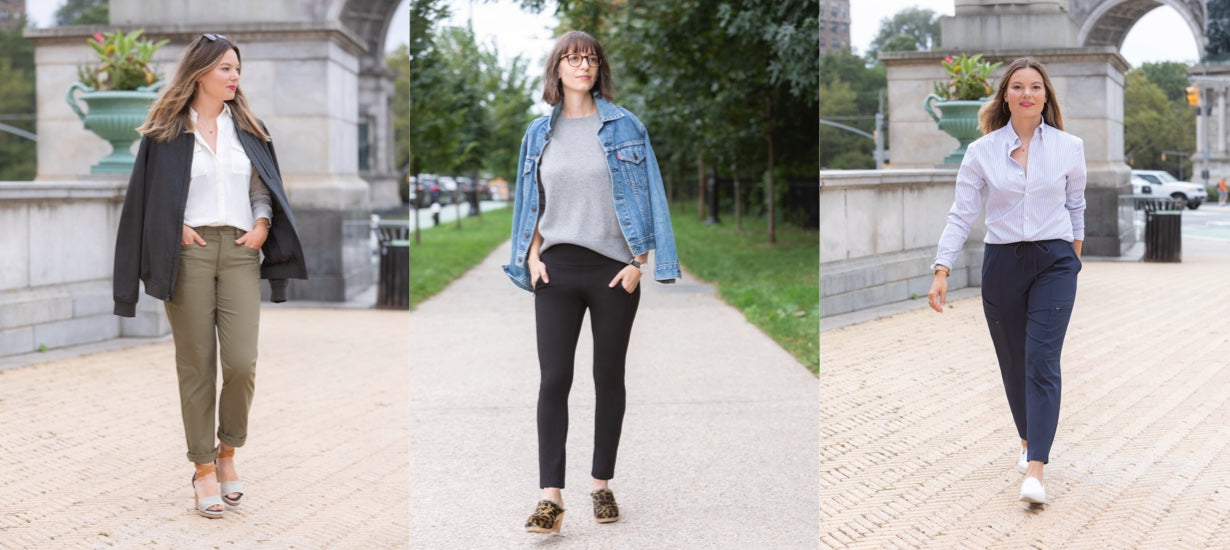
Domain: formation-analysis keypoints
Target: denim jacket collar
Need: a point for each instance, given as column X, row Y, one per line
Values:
column 607, row 111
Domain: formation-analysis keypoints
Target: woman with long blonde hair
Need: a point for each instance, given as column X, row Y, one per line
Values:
column 205, row 198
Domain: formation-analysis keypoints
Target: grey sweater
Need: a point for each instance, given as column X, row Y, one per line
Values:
column 578, row 207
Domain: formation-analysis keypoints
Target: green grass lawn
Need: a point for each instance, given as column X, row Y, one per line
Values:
column 777, row 287
column 446, row 252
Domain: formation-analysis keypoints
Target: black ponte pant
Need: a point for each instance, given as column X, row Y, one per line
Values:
column 578, row 281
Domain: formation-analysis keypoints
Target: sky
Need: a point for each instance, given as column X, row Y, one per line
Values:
column 513, row 30
column 42, row 13
column 1141, row 45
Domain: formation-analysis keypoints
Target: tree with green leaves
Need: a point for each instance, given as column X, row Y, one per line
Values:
column 911, row 29
column 1153, row 123
column 849, row 92
column 1170, row 77
column 510, row 93
column 18, row 155
column 718, row 83
column 399, row 61
column 84, row 12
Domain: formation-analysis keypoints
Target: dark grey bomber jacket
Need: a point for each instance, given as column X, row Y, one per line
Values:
column 147, row 244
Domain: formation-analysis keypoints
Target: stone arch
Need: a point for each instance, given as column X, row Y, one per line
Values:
column 1107, row 22
column 369, row 20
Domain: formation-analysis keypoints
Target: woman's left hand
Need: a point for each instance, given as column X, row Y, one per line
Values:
column 629, row 276
column 254, row 238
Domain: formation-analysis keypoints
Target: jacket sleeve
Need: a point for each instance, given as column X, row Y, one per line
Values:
column 665, row 257
column 277, row 287
column 129, row 239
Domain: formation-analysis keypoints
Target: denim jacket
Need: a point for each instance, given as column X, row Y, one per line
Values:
column 640, row 199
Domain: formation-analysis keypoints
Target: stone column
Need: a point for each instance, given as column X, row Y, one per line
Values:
column 1221, row 120
column 1216, row 77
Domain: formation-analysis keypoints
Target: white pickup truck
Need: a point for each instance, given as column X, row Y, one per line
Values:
column 1162, row 184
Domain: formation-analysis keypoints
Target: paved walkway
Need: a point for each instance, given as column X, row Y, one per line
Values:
column 719, row 443
column 918, row 447
column 92, row 450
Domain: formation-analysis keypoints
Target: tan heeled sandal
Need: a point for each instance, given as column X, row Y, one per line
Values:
column 230, row 487
column 204, row 505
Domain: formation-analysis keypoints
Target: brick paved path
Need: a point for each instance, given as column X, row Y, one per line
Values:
column 92, row 449
column 918, row 447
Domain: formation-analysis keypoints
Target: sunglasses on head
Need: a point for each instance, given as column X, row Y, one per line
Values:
column 214, row 37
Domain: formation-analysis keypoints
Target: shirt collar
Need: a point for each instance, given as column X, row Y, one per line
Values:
column 226, row 112
column 1012, row 141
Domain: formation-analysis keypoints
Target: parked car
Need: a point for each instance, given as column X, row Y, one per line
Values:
column 1161, row 183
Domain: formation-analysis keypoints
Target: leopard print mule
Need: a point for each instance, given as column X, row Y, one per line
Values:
column 547, row 518
column 605, row 509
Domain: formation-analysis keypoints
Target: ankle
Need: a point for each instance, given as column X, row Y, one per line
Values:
column 553, row 495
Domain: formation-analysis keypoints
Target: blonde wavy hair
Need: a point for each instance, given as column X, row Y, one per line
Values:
column 169, row 116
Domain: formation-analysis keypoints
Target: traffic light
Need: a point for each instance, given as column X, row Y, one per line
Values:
column 1193, row 96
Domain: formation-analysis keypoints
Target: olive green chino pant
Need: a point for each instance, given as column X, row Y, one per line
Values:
column 215, row 306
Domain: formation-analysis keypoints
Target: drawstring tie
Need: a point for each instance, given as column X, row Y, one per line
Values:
column 1019, row 251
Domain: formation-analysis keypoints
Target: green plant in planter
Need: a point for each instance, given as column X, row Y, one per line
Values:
column 959, row 100
column 118, row 93
column 968, row 78
column 125, row 61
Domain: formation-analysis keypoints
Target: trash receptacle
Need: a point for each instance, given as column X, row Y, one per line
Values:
column 1163, row 230
column 394, row 286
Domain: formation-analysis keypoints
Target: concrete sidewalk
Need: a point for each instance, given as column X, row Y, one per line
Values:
column 92, row 449
column 719, row 443
column 919, row 449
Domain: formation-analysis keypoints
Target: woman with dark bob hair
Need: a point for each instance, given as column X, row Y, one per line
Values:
column 589, row 207
column 1031, row 174
column 204, row 200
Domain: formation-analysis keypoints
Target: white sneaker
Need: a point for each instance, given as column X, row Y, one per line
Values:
column 1023, row 462
column 1032, row 491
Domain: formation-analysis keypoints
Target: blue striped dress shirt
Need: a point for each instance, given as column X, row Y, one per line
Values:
column 1045, row 202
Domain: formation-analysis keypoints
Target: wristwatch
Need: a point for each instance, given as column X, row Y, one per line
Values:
column 635, row 263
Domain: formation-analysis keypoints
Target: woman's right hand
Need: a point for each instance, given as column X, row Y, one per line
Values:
column 191, row 236
column 538, row 270
column 939, row 292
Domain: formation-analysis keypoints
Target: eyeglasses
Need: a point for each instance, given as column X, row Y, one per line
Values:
column 574, row 60
column 214, row 37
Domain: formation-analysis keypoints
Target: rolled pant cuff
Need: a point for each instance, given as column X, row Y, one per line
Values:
column 232, row 441
column 204, row 458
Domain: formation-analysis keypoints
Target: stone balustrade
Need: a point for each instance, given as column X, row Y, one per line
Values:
column 878, row 236
column 56, row 259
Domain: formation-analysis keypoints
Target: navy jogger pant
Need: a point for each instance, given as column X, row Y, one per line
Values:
column 1028, row 290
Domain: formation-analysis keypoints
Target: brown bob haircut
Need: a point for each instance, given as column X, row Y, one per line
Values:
column 575, row 42
column 995, row 114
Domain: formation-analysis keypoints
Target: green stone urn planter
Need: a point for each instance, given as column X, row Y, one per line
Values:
column 959, row 120
column 114, row 116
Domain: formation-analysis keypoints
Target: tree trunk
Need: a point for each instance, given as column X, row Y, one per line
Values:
column 700, row 187
column 772, row 193
column 734, row 169
column 414, row 204
column 478, row 198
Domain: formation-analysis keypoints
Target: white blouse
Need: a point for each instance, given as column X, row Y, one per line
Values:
column 225, row 188
column 1045, row 202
